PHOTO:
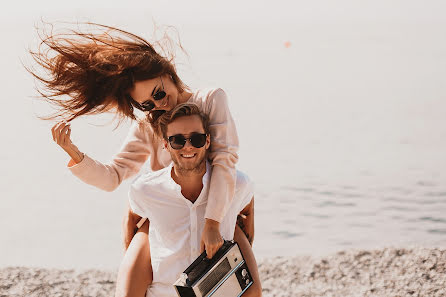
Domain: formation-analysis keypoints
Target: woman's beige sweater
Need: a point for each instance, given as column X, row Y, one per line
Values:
column 141, row 145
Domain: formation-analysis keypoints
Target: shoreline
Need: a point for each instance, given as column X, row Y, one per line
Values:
column 419, row 271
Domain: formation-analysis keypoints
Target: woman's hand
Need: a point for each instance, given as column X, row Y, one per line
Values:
column 129, row 227
column 61, row 135
column 245, row 220
column 211, row 239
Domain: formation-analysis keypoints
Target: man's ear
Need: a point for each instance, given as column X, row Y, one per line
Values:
column 208, row 141
column 165, row 144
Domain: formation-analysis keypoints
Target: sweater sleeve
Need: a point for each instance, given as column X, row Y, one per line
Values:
column 134, row 153
column 223, row 156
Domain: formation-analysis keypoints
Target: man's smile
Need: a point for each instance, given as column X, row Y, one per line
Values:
column 188, row 155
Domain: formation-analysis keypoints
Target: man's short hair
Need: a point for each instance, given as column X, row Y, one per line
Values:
column 181, row 110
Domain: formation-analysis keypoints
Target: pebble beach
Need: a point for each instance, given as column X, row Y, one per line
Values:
column 382, row 272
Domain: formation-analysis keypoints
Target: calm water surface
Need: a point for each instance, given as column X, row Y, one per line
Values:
column 344, row 134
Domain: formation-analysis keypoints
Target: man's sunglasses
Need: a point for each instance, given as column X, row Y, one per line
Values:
column 178, row 141
column 148, row 105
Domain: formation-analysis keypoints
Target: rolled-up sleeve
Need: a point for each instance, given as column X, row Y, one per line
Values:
column 133, row 154
column 134, row 204
column 223, row 156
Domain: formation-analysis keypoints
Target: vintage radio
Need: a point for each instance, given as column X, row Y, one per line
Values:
column 225, row 275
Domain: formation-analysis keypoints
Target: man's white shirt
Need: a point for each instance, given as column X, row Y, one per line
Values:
column 176, row 224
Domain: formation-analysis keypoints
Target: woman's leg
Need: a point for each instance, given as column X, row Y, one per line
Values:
column 135, row 271
column 256, row 288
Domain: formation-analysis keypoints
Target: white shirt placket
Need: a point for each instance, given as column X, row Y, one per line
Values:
column 193, row 231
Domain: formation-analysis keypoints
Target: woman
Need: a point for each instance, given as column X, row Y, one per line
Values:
column 121, row 71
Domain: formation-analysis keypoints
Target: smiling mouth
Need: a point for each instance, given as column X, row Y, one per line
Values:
column 188, row 156
column 165, row 102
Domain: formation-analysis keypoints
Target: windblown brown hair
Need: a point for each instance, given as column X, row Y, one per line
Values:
column 181, row 110
column 90, row 73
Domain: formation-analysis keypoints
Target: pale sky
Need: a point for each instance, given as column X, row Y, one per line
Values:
column 235, row 11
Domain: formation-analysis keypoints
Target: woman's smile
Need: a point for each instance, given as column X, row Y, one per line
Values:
column 166, row 102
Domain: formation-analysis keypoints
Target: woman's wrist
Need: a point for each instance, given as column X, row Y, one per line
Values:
column 75, row 154
column 209, row 223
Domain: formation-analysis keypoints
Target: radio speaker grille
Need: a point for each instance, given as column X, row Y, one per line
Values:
column 212, row 279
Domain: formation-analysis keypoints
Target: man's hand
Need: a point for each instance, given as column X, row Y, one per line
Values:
column 211, row 239
column 129, row 226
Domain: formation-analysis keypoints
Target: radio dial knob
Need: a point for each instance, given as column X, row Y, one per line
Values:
column 247, row 281
column 244, row 272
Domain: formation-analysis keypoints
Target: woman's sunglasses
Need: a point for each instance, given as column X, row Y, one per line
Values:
column 148, row 105
column 178, row 141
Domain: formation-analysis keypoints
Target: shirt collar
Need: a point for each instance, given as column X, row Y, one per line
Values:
column 205, row 179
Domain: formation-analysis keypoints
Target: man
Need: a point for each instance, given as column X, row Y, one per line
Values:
column 174, row 200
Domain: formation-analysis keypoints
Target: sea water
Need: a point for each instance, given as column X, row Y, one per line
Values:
column 342, row 128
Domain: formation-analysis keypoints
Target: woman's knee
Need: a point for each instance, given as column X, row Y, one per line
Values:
column 256, row 288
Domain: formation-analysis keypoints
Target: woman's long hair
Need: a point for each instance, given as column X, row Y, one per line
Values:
column 90, row 73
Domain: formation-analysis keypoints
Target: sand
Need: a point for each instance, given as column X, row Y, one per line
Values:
column 383, row 272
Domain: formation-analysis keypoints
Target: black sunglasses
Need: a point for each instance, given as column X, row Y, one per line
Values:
column 178, row 141
column 148, row 105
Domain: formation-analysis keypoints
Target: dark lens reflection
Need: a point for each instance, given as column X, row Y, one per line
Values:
column 198, row 140
column 148, row 105
column 178, row 141
column 159, row 95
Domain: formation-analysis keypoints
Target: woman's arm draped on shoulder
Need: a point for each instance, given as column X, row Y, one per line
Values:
column 134, row 153
column 223, row 155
